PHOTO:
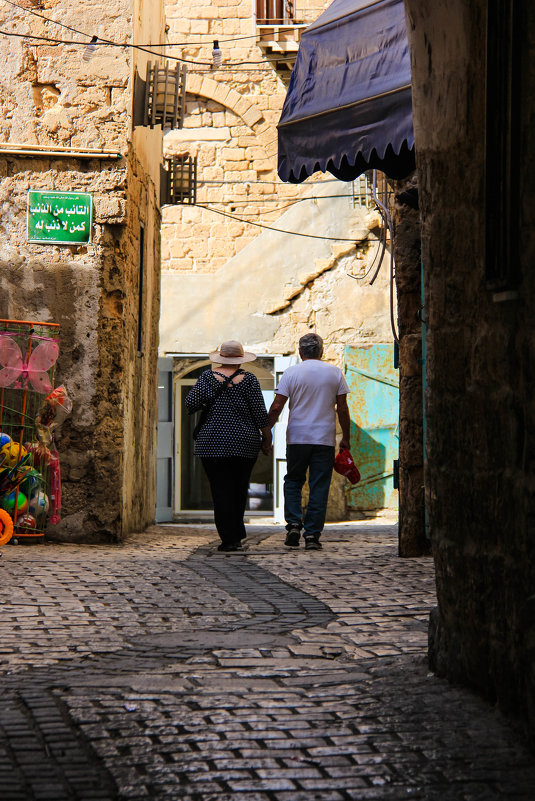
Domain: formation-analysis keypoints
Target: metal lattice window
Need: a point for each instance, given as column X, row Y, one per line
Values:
column 165, row 96
column 178, row 181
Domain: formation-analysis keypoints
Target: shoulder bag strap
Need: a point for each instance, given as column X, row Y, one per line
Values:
column 208, row 404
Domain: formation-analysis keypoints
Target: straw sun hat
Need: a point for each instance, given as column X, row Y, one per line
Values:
column 231, row 352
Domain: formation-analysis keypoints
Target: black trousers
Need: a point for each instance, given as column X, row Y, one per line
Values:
column 229, row 483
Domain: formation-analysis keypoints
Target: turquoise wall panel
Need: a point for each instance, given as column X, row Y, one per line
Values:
column 374, row 409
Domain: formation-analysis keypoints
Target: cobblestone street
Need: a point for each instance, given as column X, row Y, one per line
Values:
column 161, row 669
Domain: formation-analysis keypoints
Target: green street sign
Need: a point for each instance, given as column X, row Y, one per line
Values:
column 61, row 218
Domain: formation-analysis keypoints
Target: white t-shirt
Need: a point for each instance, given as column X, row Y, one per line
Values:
column 312, row 387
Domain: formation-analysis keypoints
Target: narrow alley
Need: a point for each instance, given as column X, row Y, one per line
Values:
column 161, row 669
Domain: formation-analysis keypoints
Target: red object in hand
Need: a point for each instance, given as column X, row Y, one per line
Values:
column 344, row 464
column 55, row 488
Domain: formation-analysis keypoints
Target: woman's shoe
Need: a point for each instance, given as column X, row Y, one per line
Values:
column 293, row 535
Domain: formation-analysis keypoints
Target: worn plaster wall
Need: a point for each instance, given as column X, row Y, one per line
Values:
column 480, row 412
column 52, row 98
column 280, row 286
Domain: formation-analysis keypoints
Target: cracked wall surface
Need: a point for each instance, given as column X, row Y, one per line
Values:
column 53, row 99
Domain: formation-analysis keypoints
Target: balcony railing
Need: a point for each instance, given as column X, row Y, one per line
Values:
column 274, row 12
column 286, row 12
column 279, row 25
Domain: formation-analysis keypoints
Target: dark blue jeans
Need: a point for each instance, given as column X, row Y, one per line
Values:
column 319, row 461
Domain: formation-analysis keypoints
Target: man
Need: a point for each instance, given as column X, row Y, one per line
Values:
column 314, row 389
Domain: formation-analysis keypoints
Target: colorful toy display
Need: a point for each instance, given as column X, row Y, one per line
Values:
column 27, row 521
column 39, row 504
column 31, row 413
column 11, row 477
column 11, row 453
column 34, row 370
column 52, row 413
column 39, row 452
column 15, row 500
column 55, row 489
column 6, row 527
column 32, row 482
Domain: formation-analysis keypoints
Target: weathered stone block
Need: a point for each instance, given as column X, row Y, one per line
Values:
column 111, row 210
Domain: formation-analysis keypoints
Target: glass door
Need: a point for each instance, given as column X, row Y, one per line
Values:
column 192, row 490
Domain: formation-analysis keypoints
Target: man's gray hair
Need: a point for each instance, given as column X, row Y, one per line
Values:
column 311, row 346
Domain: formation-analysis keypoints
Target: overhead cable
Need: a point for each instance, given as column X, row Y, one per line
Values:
column 270, row 183
column 278, row 199
column 279, row 230
column 189, row 43
column 101, row 41
column 98, row 41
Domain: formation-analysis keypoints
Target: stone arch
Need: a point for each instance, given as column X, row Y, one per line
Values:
column 244, row 108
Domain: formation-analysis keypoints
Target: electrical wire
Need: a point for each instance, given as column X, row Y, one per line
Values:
column 265, row 211
column 392, row 263
column 42, row 16
column 292, row 202
column 101, row 43
column 155, row 44
column 381, row 250
column 270, row 183
column 266, row 64
column 270, row 228
column 289, row 205
column 144, row 48
column 381, row 246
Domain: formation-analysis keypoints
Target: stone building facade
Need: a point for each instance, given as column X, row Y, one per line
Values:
column 223, row 277
column 476, row 159
column 67, row 125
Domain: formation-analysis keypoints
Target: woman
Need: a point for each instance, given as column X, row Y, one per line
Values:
column 234, row 427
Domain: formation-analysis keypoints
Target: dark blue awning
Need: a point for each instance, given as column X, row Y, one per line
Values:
column 349, row 104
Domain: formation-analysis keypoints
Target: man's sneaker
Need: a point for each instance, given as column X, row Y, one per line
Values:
column 293, row 536
column 312, row 544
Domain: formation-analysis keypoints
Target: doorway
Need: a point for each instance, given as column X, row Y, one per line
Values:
column 191, row 488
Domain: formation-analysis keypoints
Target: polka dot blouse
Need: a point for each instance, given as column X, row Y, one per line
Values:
column 234, row 420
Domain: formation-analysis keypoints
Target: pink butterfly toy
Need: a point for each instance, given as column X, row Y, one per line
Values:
column 18, row 372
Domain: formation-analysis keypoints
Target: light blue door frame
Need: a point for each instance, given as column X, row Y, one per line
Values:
column 164, row 443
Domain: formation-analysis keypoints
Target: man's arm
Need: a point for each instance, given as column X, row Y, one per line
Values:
column 276, row 408
column 344, row 420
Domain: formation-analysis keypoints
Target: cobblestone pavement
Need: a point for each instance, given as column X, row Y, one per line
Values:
column 161, row 669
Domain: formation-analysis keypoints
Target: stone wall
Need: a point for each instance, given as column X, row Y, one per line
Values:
column 53, row 99
column 230, row 126
column 480, row 412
